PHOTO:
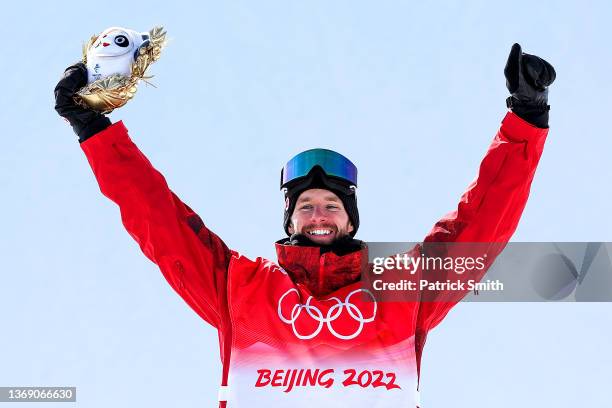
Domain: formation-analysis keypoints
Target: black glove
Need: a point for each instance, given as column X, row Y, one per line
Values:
column 527, row 79
column 85, row 122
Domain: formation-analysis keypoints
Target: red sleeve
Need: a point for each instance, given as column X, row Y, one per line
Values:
column 192, row 259
column 490, row 209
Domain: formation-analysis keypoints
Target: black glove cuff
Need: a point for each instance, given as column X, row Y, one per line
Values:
column 537, row 115
column 93, row 127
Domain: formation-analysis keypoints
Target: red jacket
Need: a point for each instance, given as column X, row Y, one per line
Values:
column 280, row 345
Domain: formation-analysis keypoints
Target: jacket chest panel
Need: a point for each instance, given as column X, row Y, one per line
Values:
column 267, row 307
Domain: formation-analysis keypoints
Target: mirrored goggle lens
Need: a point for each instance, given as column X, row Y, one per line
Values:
column 332, row 163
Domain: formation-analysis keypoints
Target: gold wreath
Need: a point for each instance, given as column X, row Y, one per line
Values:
column 116, row 90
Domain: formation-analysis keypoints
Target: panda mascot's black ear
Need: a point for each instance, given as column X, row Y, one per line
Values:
column 144, row 44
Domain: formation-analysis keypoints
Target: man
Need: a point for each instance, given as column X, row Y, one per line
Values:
column 303, row 332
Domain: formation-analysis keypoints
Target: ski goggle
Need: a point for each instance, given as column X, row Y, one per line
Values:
column 332, row 163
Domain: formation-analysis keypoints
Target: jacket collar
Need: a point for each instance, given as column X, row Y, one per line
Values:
column 322, row 270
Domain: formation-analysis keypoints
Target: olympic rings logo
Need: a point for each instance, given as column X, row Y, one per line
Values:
column 332, row 314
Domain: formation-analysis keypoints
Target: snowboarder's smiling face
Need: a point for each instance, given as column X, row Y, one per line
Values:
column 320, row 215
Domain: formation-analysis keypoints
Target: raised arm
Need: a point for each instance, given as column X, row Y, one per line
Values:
column 490, row 209
column 492, row 205
column 192, row 259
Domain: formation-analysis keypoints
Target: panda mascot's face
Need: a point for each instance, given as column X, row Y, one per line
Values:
column 114, row 52
column 112, row 43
